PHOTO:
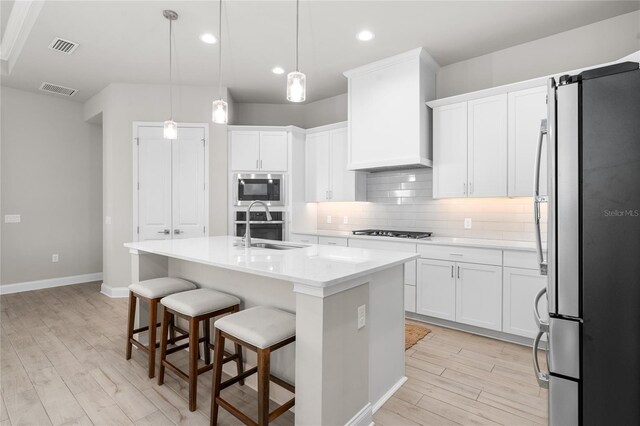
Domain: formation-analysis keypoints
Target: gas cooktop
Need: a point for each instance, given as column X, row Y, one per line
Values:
column 395, row 234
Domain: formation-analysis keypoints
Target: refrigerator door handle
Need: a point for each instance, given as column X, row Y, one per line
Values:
column 543, row 326
column 542, row 378
column 537, row 198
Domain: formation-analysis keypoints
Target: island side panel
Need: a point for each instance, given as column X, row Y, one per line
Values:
column 385, row 319
column 146, row 266
column 332, row 357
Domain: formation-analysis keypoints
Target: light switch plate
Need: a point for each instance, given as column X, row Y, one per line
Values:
column 328, row 219
column 12, row 218
column 55, row 258
column 362, row 316
column 467, row 223
column 345, row 220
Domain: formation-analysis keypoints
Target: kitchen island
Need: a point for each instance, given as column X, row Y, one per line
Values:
column 343, row 371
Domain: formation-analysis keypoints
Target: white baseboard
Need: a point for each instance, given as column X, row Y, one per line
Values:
column 52, row 282
column 114, row 292
column 363, row 418
column 379, row 403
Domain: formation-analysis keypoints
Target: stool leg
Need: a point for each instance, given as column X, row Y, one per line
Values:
column 193, row 362
column 166, row 317
column 264, row 365
column 239, row 362
column 206, row 346
column 153, row 320
column 218, row 354
column 172, row 330
column 130, row 322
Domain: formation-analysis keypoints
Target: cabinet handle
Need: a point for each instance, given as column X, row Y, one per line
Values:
column 456, row 254
column 261, row 164
column 330, row 194
column 165, row 232
column 257, row 164
column 470, row 187
column 451, row 271
column 458, row 272
column 464, row 188
column 331, row 244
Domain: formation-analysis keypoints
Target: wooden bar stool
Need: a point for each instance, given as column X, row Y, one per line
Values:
column 263, row 330
column 195, row 306
column 151, row 291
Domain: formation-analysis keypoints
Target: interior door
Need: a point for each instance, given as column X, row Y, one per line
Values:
column 450, row 151
column 317, row 154
column 245, row 150
column 273, row 151
column 154, row 184
column 189, row 183
column 487, row 147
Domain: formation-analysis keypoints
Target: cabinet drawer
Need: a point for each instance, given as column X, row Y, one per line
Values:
column 461, row 254
column 332, row 241
column 304, row 238
column 521, row 259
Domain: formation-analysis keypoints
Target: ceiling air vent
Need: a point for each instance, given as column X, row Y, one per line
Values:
column 58, row 90
column 62, row 45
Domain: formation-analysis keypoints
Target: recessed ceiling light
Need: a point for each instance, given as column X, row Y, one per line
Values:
column 277, row 70
column 208, row 38
column 365, row 35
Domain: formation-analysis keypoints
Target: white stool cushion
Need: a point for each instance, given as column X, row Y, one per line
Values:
column 161, row 287
column 259, row 326
column 199, row 302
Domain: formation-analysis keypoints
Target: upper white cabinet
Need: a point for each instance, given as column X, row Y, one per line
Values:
column 326, row 175
column 449, row 151
column 470, row 148
column 256, row 150
column 487, row 147
column 389, row 123
column 527, row 108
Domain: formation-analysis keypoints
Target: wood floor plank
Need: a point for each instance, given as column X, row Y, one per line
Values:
column 386, row 417
column 101, row 409
column 452, row 412
column 415, row 413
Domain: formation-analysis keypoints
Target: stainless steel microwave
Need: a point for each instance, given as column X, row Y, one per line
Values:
column 267, row 187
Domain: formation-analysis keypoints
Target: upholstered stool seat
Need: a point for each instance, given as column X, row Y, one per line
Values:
column 263, row 330
column 260, row 326
column 195, row 306
column 151, row 291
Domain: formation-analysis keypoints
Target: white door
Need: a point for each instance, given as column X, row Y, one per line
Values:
column 526, row 109
column 436, row 289
column 245, row 150
column 154, row 184
column 317, row 157
column 342, row 181
column 450, row 151
column 520, row 289
column 273, row 151
column 189, row 183
column 487, row 147
column 479, row 295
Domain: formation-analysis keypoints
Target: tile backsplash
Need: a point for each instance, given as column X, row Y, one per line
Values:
column 402, row 200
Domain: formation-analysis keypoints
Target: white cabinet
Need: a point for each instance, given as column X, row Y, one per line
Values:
column 487, row 147
column 388, row 119
column 449, row 151
column 254, row 150
column 479, row 295
column 470, row 149
column 436, row 289
column 327, row 177
column 333, row 241
column 527, row 108
column 303, row 238
column 410, row 298
column 520, row 288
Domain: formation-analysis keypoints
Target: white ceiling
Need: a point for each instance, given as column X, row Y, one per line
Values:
column 126, row 42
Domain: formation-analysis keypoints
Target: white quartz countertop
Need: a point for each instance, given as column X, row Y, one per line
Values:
column 444, row 241
column 313, row 265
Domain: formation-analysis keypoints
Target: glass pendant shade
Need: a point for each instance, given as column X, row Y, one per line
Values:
column 170, row 130
column 296, row 86
column 219, row 113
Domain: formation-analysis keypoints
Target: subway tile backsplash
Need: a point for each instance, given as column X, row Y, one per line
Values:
column 402, row 200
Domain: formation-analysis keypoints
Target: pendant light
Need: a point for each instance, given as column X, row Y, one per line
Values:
column 297, row 81
column 219, row 108
column 170, row 126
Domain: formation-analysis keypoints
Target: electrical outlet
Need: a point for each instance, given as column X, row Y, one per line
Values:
column 345, row 220
column 107, row 220
column 12, row 218
column 467, row 223
column 328, row 219
column 55, row 258
column 362, row 316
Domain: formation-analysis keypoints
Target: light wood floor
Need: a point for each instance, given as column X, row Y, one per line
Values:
column 62, row 362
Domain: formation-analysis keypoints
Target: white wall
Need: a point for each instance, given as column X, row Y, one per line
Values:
column 52, row 177
column 589, row 45
column 121, row 105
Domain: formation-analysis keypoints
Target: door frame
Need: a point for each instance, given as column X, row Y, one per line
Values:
column 134, row 180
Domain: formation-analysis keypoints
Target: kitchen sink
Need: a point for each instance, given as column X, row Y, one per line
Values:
column 271, row 246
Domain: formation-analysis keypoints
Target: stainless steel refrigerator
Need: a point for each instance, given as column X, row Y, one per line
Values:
column 593, row 247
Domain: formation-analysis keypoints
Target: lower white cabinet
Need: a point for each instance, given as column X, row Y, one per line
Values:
column 519, row 291
column 410, row 298
column 479, row 295
column 436, row 289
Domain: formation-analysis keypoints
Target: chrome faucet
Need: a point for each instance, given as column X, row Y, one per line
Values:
column 247, row 236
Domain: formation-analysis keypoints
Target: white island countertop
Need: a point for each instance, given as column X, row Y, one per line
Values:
column 312, row 265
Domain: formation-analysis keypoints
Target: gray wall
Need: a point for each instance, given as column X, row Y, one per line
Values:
column 593, row 44
column 121, row 105
column 52, row 176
